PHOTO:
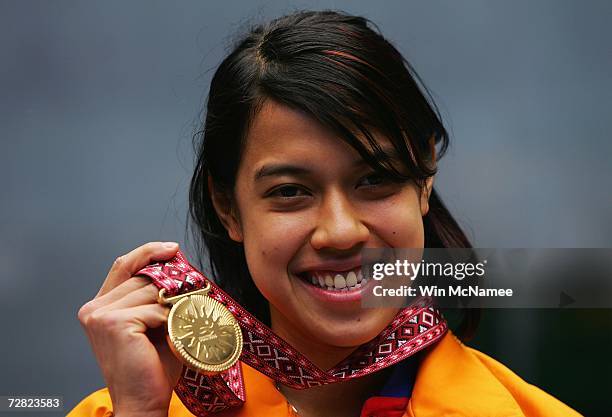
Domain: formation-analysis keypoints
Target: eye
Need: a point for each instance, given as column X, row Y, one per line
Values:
column 374, row 179
column 287, row 192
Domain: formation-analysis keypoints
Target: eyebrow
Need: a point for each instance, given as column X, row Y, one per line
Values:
column 279, row 170
column 384, row 155
column 388, row 155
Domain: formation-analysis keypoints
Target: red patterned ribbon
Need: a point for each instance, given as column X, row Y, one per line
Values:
column 412, row 329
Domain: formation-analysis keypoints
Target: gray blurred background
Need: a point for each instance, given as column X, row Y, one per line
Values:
column 99, row 100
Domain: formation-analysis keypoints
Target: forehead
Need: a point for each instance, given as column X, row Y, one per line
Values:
column 279, row 131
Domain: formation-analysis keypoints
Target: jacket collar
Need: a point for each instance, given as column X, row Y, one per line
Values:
column 452, row 381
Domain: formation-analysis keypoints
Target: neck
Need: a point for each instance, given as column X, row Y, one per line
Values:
column 340, row 399
column 323, row 355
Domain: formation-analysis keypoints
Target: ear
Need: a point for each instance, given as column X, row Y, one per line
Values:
column 226, row 212
column 425, row 193
column 428, row 186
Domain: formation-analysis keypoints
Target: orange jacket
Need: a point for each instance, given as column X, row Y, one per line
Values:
column 452, row 380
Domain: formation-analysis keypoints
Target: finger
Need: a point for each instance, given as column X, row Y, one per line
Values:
column 148, row 316
column 134, row 288
column 144, row 295
column 128, row 321
column 113, row 295
column 173, row 365
column 126, row 287
column 127, row 265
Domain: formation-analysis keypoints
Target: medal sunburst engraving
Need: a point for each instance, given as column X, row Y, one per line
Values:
column 202, row 329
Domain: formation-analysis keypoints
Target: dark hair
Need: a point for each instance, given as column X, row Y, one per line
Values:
column 343, row 73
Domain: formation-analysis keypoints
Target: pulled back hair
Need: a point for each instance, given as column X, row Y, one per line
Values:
column 339, row 70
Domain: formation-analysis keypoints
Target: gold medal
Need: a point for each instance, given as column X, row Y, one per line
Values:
column 202, row 332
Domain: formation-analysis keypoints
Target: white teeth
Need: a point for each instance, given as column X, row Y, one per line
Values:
column 351, row 279
column 339, row 281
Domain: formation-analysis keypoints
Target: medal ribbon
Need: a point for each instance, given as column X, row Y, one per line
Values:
column 411, row 330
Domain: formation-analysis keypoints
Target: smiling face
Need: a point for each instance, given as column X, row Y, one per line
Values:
column 305, row 205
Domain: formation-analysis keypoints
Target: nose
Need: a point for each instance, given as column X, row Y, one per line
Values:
column 339, row 225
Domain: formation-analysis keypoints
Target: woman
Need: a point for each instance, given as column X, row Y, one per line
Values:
column 318, row 142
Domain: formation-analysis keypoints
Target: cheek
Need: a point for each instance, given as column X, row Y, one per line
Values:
column 270, row 243
column 399, row 222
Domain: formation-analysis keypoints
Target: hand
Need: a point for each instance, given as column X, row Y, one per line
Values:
column 124, row 324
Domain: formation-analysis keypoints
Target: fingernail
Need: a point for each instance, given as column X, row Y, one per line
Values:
column 170, row 245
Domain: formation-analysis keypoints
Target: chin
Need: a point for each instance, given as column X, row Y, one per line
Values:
column 353, row 333
column 349, row 341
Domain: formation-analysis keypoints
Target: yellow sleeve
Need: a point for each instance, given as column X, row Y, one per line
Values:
column 97, row 404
